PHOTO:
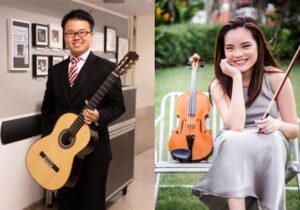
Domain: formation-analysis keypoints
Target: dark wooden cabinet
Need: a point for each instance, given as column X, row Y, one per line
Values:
column 121, row 132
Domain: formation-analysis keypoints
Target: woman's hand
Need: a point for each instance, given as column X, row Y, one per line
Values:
column 228, row 69
column 90, row 116
column 268, row 125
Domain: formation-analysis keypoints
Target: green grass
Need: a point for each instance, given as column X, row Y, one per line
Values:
column 182, row 199
column 178, row 79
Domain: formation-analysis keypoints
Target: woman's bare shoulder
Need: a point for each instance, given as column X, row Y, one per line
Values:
column 215, row 83
column 276, row 75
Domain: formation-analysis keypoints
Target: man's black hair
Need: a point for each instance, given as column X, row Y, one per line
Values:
column 78, row 14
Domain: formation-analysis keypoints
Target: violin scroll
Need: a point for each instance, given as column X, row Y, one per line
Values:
column 195, row 60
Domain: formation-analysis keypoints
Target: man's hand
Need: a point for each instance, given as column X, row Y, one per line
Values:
column 90, row 116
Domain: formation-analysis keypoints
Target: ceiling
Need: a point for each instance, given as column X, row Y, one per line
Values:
column 128, row 8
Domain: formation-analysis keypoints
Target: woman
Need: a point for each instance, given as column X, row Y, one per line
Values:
column 249, row 166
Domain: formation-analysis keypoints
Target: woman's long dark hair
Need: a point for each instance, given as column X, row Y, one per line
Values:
column 264, row 57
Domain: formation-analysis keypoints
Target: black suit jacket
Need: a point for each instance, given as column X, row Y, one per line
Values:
column 60, row 98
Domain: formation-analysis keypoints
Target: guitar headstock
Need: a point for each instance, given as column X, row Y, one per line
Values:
column 127, row 62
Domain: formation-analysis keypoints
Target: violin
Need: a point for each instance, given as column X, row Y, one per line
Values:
column 191, row 141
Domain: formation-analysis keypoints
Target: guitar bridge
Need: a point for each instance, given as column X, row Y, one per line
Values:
column 47, row 159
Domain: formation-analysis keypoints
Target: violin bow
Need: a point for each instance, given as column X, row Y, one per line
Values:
column 266, row 114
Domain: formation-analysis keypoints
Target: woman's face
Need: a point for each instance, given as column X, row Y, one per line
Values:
column 240, row 49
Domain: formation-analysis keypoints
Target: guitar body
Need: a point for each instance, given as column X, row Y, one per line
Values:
column 54, row 161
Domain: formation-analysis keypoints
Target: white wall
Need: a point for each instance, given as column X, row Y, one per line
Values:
column 18, row 190
column 145, row 70
column 144, row 81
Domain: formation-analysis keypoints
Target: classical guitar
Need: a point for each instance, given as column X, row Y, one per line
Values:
column 54, row 160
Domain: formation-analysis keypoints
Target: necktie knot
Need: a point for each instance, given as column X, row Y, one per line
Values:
column 74, row 60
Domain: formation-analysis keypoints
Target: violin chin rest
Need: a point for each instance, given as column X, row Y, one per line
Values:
column 181, row 154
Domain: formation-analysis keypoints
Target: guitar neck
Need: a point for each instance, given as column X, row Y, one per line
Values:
column 94, row 101
column 101, row 92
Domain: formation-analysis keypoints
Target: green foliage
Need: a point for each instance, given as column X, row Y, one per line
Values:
column 175, row 44
column 281, row 42
column 175, row 11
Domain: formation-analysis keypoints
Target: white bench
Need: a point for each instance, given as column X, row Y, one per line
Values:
column 167, row 121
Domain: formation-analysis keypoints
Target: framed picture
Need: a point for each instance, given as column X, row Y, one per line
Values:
column 39, row 35
column 55, row 60
column 98, row 42
column 40, row 65
column 19, row 37
column 55, row 36
column 123, row 47
column 110, row 41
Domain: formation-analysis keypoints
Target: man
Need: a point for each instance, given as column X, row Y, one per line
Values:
column 70, row 84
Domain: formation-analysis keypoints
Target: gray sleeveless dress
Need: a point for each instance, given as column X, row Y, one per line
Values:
column 248, row 164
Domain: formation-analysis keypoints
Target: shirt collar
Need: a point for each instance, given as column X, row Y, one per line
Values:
column 83, row 56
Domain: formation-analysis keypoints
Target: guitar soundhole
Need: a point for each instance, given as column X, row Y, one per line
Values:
column 66, row 139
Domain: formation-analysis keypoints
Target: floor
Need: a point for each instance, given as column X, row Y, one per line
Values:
column 140, row 194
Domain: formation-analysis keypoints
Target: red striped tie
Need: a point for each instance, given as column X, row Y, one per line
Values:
column 73, row 72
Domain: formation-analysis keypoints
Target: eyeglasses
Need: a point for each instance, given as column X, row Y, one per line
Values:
column 81, row 33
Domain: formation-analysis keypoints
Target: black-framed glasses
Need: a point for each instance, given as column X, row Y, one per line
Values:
column 72, row 34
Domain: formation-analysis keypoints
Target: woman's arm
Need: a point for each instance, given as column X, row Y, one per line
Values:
column 231, row 110
column 288, row 124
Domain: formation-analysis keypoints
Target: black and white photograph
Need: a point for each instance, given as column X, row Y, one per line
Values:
column 39, row 35
column 110, row 39
column 18, row 45
column 40, row 65
column 55, row 36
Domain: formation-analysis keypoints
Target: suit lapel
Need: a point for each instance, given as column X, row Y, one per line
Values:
column 83, row 75
column 63, row 81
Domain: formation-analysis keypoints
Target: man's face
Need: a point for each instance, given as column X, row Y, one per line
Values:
column 78, row 36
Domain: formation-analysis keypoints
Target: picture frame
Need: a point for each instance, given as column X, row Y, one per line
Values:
column 40, row 35
column 98, row 42
column 110, row 39
column 19, row 40
column 54, row 59
column 40, row 65
column 123, row 47
column 55, row 36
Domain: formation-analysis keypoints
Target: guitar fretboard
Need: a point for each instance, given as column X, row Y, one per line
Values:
column 93, row 102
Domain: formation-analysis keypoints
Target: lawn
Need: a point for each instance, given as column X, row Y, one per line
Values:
column 178, row 79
